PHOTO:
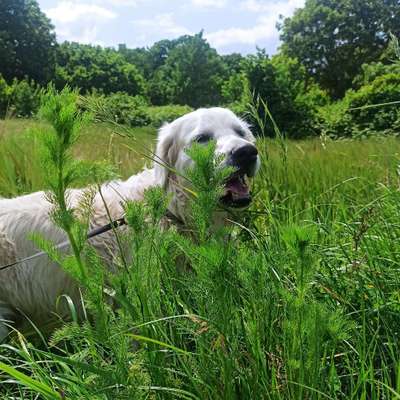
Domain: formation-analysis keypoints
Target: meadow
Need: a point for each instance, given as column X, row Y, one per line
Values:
column 302, row 302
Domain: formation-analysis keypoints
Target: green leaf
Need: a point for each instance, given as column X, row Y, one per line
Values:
column 33, row 384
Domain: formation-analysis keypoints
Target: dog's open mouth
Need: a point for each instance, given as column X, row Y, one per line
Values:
column 237, row 193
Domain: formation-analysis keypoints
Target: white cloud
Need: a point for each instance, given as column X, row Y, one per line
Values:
column 86, row 35
column 69, row 11
column 162, row 23
column 117, row 3
column 79, row 22
column 252, row 22
column 210, row 3
column 254, row 5
column 263, row 30
column 281, row 7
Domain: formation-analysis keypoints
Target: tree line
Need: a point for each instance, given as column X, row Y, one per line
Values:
column 336, row 57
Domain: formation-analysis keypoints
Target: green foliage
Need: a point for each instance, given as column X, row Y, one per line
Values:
column 4, row 96
column 369, row 72
column 62, row 112
column 86, row 67
column 158, row 115
column 24, row 98
column 334, row 120
column 124, row 109
column 133, row 111
column 379, row 119
column 233, row 62
column 139, row 57
column 371, row 110
column 20, row 98
column 207, row 178
column 27, row 42
column 394, row 47
column 281, row 84
column 158, row 54
column 334, row 38
column 234, row 88
column 179, row 68
column 191, row 74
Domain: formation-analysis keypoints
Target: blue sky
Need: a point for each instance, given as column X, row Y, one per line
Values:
column 229, row 25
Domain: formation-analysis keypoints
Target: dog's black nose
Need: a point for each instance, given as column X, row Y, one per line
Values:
column 244, row 157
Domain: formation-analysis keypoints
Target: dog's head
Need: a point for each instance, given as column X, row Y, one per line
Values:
column 234, row 142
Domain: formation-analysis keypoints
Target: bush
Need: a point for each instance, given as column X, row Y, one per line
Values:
column 24, row 98
column 21, row 98
column 123, row 109
column 233, row 88
column 365, row 112
column 334, row 120
column 160, row 114
column 132, row 110
column 291, row 98
column 372, row 71
column 385, row 118
column 4, row 96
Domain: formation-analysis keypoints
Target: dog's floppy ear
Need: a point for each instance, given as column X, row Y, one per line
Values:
column 166, row 153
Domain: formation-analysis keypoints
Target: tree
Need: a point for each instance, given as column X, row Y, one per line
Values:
column 192, row 73
column 159, row 52
column 139, row 57
column 281, row 83
column 233, row 62
column 87, row 67
column 234, row 88
column 27, row 41
column 334, row 38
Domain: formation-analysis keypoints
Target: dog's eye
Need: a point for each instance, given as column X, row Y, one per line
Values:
column 203, row 138
column 240, row 132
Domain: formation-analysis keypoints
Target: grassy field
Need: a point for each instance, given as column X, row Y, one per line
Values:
column 303, row 303
column 20, row 167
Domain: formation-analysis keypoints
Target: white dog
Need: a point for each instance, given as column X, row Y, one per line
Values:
column 31, row 288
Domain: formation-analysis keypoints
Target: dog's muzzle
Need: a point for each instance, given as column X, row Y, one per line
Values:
column 245, row 162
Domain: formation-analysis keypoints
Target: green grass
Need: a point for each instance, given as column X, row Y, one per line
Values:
column 20, row 160
column 303, row 303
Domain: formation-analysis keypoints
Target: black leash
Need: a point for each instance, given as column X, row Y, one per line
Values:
column 103, row 229
column 95, row 232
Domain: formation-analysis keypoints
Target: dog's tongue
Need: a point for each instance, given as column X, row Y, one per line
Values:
column 236, row 186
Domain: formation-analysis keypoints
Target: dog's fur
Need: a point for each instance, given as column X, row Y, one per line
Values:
column 32, row 288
